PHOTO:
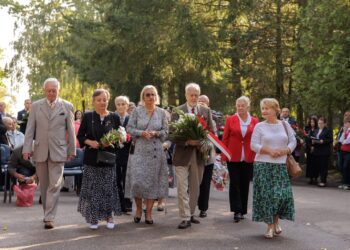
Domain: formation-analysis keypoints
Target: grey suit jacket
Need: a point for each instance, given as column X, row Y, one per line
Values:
column 49, row 128
column 183, row 153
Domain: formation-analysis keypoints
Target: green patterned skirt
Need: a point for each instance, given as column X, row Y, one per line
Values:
column 272, row 192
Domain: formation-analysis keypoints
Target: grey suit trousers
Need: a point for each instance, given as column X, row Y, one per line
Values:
column 51, row 179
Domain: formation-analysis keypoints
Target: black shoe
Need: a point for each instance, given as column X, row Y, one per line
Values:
column 149, row 222
column 137, row 219
column 184, row 224
column 203, row 214
column 237, row 217
column 64, row 189
column 194, row 221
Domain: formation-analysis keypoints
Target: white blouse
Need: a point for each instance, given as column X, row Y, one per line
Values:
column 244, row 128
column 273, row 136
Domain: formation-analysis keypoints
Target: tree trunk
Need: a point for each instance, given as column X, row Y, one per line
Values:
column 279, row 58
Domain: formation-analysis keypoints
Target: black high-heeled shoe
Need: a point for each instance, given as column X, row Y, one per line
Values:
column 137, row 219
column 149, row 222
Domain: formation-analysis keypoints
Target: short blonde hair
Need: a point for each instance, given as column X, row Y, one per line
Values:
column 244, row 99
column 122, row 98
column 142, row 102
column 271, row 103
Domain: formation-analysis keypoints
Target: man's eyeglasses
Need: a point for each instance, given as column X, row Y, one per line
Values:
column 149, row 94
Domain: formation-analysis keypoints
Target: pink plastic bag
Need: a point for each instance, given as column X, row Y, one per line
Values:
column 25, row 194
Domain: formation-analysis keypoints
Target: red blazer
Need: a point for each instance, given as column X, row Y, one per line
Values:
column 234, row 140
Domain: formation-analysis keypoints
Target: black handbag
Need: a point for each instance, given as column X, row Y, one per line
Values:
column 105, row 157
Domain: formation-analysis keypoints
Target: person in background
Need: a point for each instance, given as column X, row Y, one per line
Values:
column 3, row 110
column 22, row 170
column 122, row 105
column 22, row 116
column 204, row 188
column 78, row 117
column 345, row 155
column 69, row 180
column 272, row 140
column 321, row 150
column 131, row 108
column 99, row 196
column 337, row 144
column 237, row 137
column 311, row 171
column 285, row 116
column 147, row 175
column 14, row 137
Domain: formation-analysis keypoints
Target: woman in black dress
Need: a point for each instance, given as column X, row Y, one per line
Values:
column 310, row 129
column 321, row 150
column 99, row 197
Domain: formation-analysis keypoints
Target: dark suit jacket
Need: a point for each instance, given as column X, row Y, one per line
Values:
column 3, row 129
column 22, row 124
column 123, row 153
column 325, row 147
column 183, row 153
column 91, row 128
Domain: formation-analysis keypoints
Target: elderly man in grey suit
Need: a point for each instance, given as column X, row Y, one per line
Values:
column 188, row 161
column 50, row 121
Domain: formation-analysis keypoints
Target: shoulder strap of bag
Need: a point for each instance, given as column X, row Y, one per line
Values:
column 285, row 129
column 150, row 119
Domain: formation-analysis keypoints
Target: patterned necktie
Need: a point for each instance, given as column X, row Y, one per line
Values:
column 52, row 105
column 193, row 110
column 122, row 119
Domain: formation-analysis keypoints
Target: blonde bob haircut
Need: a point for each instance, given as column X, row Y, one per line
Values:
column 142, row 102
column 271, row 103
column 244, row 99
column 122, row 98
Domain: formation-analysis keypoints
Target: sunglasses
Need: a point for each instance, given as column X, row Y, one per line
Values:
column 149, row 94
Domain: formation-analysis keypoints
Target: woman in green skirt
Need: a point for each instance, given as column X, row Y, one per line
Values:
column 272, row 191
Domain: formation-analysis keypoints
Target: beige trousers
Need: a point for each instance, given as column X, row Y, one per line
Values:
column 50, row 178
column 188, row 179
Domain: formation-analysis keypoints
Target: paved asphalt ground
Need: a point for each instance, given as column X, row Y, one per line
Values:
column 322, row 222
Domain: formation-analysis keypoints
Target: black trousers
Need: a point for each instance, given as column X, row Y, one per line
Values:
column 204, row 189
column 240, row 176
column 321, row 163
column 125, row 203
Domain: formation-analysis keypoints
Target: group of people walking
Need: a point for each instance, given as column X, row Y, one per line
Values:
column 140, row 171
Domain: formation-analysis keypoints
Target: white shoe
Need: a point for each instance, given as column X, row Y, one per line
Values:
column 341, row 186
column 93, row 226
column 110, row 225
column 346, row 187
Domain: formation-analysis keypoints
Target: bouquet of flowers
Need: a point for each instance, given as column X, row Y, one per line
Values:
column 115, row 137
column 191, row 127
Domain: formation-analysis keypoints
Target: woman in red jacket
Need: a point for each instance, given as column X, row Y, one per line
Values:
column 237, row 135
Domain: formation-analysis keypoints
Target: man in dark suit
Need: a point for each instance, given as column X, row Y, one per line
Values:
column 188, row 161
column 285, row 117
column 122, row 105
column 22, row 116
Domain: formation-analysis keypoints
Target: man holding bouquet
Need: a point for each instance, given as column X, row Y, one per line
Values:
column 189, row 158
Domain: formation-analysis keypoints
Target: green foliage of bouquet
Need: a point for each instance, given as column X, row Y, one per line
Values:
column 115, row 137
column 191, row 127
